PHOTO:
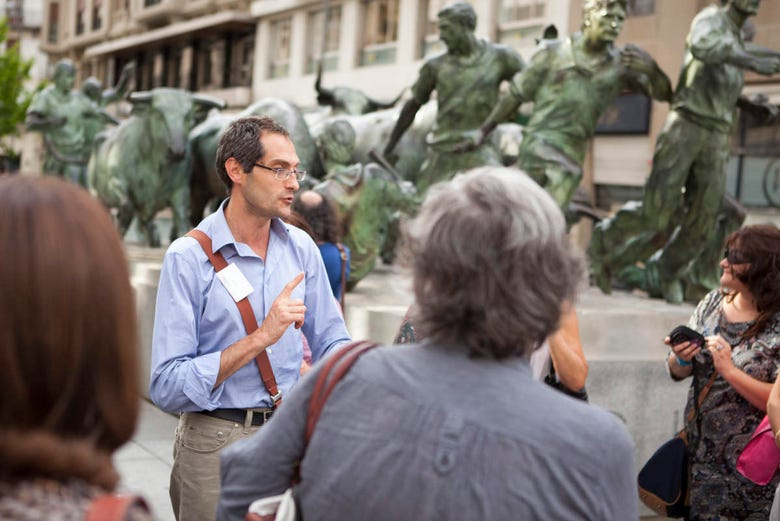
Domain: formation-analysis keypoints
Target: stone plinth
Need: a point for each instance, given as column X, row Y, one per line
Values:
column 145, row 265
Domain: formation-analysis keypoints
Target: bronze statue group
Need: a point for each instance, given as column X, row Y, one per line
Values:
column 655, row 245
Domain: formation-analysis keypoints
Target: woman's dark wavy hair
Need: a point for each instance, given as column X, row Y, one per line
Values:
column 760, row 244
column 68, row 340
column 322, row 219
column 491, row 263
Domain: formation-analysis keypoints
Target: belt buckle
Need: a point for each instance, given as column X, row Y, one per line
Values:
column 252, row 413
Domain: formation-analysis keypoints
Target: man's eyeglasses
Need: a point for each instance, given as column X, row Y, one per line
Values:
column 735, row 256
column 283, row 174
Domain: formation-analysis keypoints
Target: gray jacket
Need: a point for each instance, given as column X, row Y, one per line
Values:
column 426, row 432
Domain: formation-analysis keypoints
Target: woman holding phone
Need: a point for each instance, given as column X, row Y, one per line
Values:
column 741, row 325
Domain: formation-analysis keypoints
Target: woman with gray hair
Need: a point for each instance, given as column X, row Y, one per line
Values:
column 454, row 427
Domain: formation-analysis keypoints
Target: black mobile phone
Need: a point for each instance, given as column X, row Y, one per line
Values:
column 680, row 334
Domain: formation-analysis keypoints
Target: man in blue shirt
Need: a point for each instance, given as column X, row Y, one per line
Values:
column 202, row 358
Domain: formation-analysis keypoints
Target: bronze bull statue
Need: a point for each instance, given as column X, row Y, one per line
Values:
column 143, row 165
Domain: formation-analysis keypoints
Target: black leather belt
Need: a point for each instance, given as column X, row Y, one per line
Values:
column 255, row 416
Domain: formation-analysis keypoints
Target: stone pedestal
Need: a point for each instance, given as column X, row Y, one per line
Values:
column 32, row 153
column 145, row 265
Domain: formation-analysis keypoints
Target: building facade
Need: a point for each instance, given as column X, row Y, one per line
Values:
column 243, row 50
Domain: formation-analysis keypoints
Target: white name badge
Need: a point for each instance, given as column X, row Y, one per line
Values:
column 235, row 282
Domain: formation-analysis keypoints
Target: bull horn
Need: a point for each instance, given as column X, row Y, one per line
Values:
column 141, row 96
column 209, row 101
column 386, row 104
column 318, row 81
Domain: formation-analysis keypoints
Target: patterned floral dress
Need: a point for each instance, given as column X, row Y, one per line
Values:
column 44, row 499
column 726, row 420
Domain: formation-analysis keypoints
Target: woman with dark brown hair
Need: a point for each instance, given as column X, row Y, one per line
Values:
column 741, row 354
column 68, row 351
column 320, row 214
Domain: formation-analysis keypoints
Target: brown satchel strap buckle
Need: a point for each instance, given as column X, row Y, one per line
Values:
column 276, row 397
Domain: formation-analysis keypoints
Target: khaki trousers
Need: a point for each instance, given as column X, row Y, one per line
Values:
column 195, row 475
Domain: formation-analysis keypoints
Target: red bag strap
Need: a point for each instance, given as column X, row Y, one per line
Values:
column 247, row 316
column 343, row 255
column 112, row 507
column 336, row 366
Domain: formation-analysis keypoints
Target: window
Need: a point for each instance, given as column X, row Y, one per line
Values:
column 13, row 14
column 97, row 21
column 54, row 22
column 641, row 7
column 323, row 44
column 521, row 10
column 520, row 23
column 280, row 47
column 80, row 15
column 149, row 3
column 240, row 48
column 432, row 24
column 431, row 43
column 380, row 31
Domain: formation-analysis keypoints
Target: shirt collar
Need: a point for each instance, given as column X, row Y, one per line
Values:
column 222, row 236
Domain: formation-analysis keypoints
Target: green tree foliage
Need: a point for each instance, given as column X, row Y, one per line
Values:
column 14, row 99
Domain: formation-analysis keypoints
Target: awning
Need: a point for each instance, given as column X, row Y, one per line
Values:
column 223, row 20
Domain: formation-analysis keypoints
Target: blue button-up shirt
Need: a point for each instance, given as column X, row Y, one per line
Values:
column 196, row 318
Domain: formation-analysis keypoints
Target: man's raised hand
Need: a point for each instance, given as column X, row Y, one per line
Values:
column 284, row 311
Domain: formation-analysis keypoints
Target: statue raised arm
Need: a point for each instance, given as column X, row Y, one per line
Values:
column 466, row 79
column 61, row 114
column 571, row 82
column 691, row 152
column 348, row 100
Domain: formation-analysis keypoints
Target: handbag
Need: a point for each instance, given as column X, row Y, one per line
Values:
column 552, row 380
column 114, row 507
column 282, row 507
column 664, row 479
column 759, row 459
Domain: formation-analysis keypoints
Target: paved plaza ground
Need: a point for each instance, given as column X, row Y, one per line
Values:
column 145, row 463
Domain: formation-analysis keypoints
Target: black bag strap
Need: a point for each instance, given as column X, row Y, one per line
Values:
column 698, row 399
column 343, row 255
column 553, row 381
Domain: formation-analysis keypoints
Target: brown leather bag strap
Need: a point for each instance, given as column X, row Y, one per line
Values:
column 111, row 507
column 343, row 255
column 336, row 366
column 247, row 316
